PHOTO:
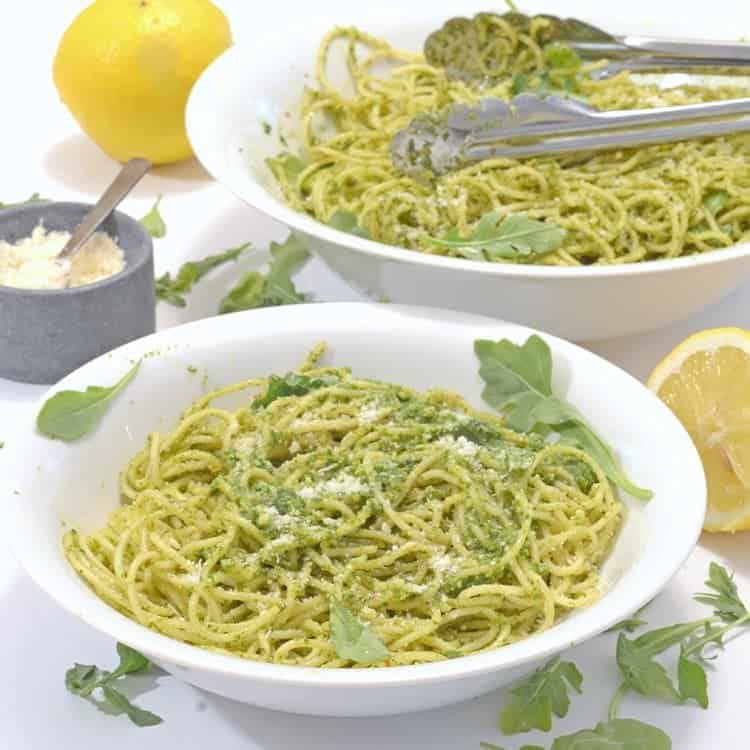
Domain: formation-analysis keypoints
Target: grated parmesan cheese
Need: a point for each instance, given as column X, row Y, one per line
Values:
column 459, row 445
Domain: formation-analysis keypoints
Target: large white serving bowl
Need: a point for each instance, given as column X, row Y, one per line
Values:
column 263, row 77
column 53, row 485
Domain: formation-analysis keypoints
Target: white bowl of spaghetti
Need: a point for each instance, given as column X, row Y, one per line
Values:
column 652, row 235
column 167, row 558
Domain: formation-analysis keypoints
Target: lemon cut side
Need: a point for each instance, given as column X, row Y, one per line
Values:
column 705, row 381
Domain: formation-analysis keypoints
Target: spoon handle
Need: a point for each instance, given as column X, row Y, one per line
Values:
column 125, row 181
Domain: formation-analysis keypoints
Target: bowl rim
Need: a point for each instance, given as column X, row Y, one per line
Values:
column 203, row 98
column 144, row 252
column 161, row 648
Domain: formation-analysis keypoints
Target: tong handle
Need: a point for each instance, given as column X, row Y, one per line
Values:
column 604, row 141
column 698, row 49
column 590, row 122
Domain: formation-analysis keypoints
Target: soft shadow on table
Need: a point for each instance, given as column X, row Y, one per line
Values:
column 77, row 163
column 734, row 549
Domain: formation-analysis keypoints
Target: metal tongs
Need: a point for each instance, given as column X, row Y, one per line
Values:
column 529, row 125
column 639, row 53
column 458, row 45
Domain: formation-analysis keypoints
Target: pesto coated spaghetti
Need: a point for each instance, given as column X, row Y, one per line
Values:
column 616, row 207
column 440, row 530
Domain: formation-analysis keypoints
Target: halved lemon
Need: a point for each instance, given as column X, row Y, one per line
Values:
column 705, row 381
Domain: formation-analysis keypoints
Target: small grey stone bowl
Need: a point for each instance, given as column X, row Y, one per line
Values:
column 45, row 334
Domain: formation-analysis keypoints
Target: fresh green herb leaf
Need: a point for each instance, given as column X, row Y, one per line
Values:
column 69, row 415
column 35, row 198
column 291, row 384
column 131, row 662
column 267, row 129
column 139, row 716
column 2, row 444
column 287, row 166
column 617, row 734
column 514, row 237
column 519, row 384
column 723, row 596
column 642, row 673
column 84, row 679
column 247, row 295
column 560, row 56
column 173, row 290
column 657, row 641
column 153, row 221
column 692, row 680
column 629, row 625
column 276, row 288
column 352, row 639
column 544, row 692
column 714, row 202
column 346, row 221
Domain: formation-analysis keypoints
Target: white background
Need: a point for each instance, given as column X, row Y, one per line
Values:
column 42, row 150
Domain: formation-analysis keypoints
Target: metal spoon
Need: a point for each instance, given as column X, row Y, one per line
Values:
column 130, row 175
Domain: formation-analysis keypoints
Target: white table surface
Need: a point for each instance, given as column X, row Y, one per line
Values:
column 42, row 150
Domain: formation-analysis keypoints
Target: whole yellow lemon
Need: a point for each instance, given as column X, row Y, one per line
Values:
column 125, row 69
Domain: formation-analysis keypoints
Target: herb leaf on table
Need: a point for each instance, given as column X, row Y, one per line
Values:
column 173, row 290
column 153, row 221
column 617, row 734
column 276, row 287
column 69, row 415
column 519, row 384
column 514, row 237
column 544, row 692
column 84, row 679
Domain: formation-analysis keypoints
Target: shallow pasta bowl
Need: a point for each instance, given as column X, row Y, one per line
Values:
column 52, row 485
column 254, row 85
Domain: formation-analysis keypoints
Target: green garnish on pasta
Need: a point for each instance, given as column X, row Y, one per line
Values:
column 335, row 521
column 623, row 206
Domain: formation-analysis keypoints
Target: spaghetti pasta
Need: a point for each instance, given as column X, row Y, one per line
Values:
column 441, row 529
column 617, row 207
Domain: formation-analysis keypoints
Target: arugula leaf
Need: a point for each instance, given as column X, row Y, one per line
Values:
column 131, row 662
column 629, row 625
column 723, row 597
column 291, row 384
column 34, row 198
column 153, row 221
column 519, row 384
column 84, row 679
column 657, row 641
column 69, row 415
column 346, row 221
column 139, row 716
column 515, row 237
column 692, row 680
column 616, row 734
column 352, row 639
column 642, row 673
column 276, row 288
column 173, row 290
column 287, row 166
column 560, row 56
column 715, row 201
column 543, row 692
